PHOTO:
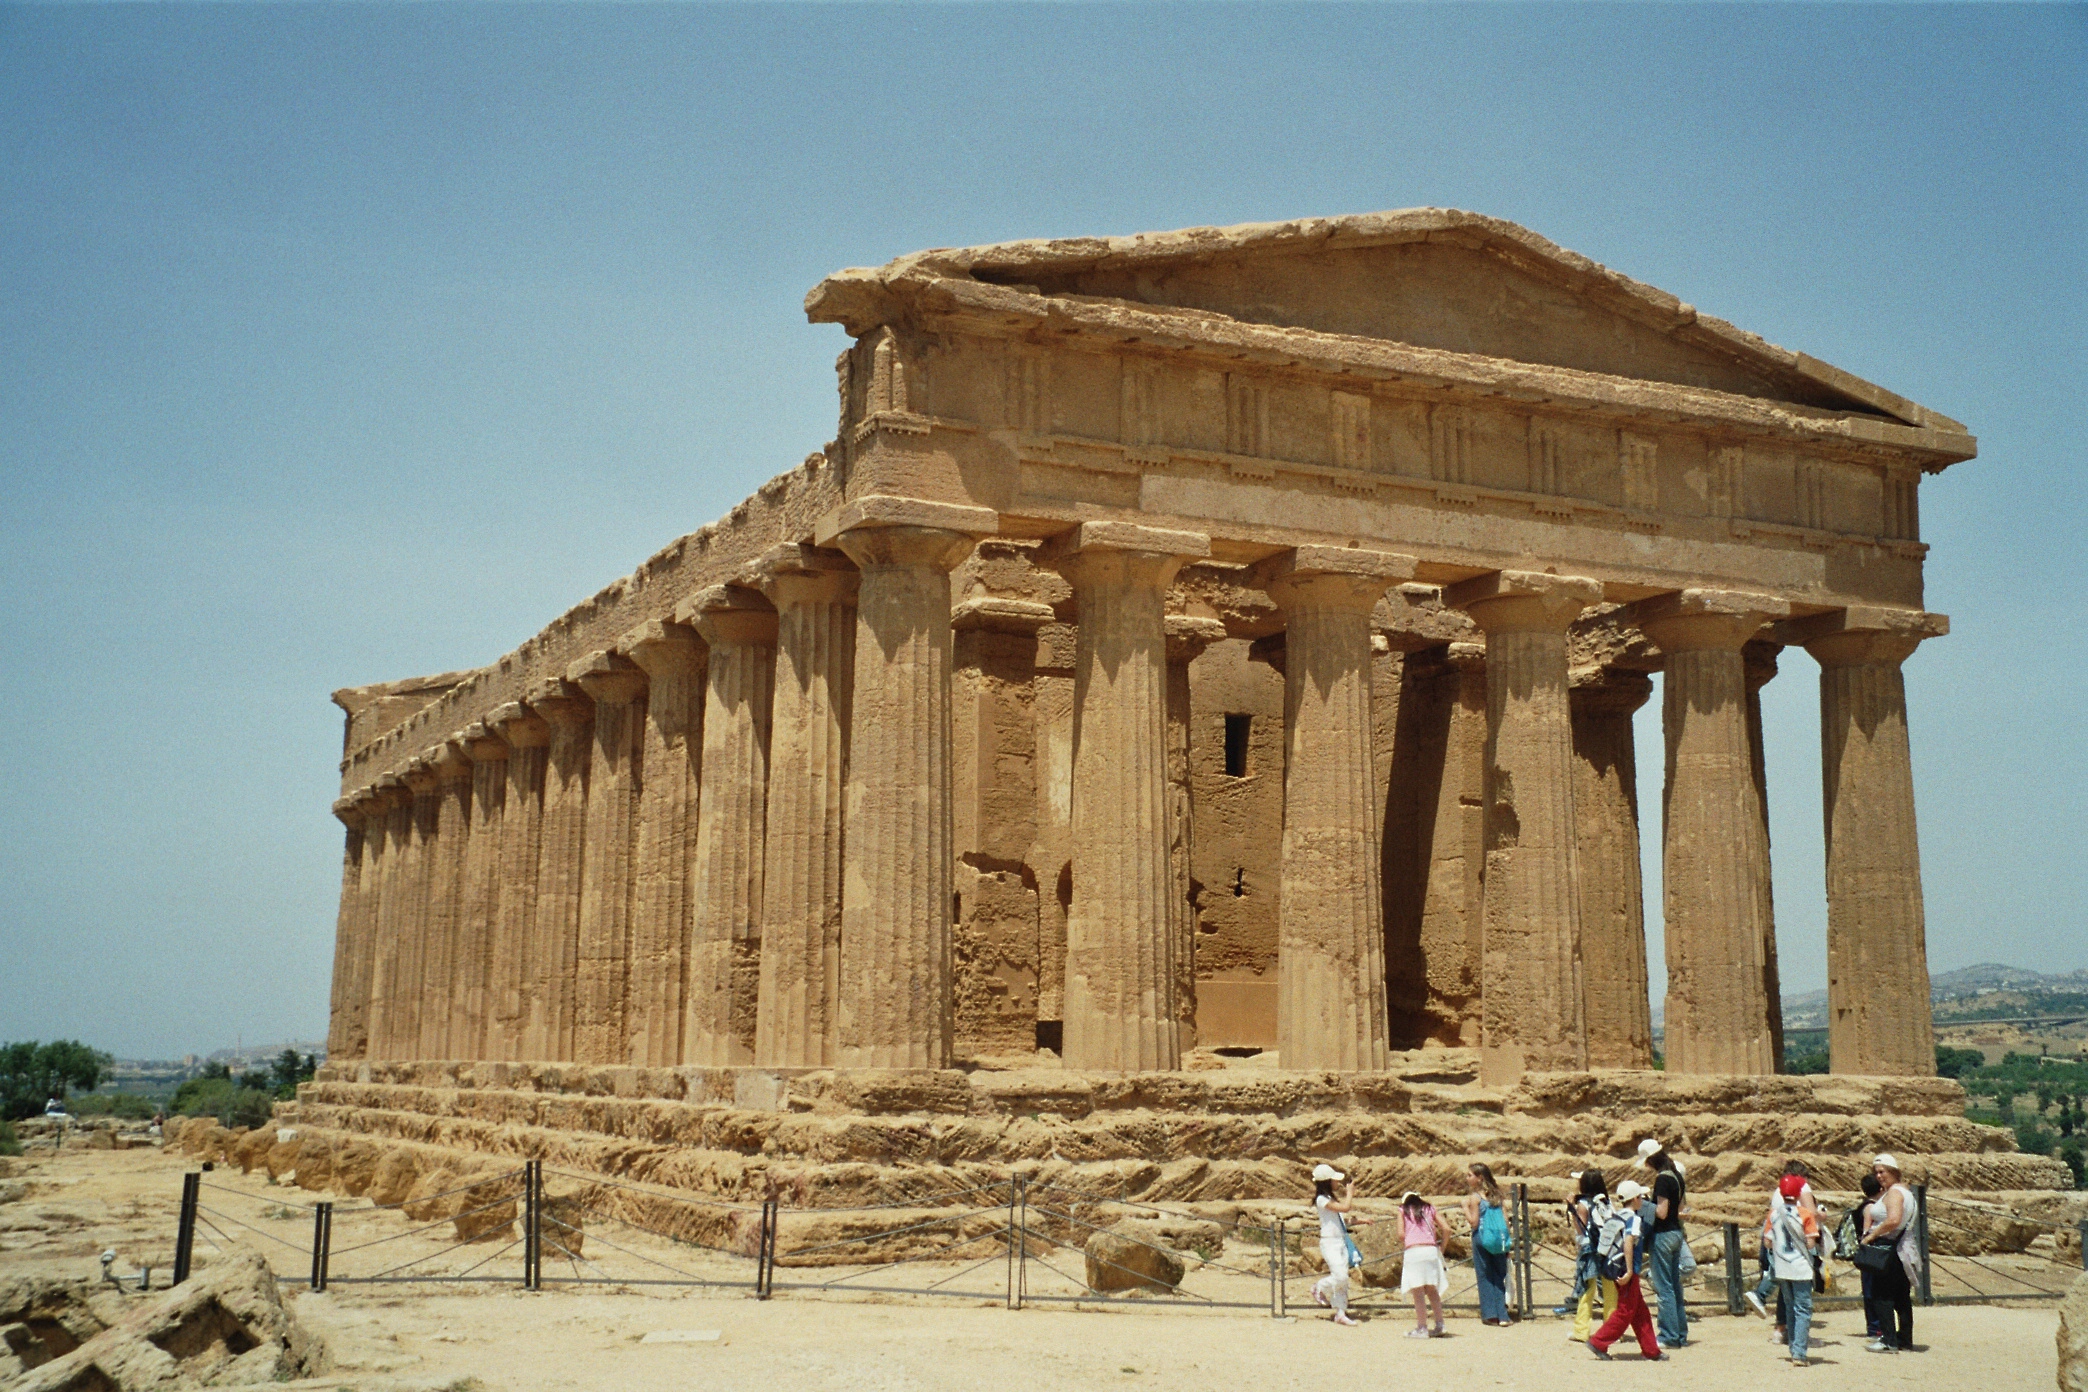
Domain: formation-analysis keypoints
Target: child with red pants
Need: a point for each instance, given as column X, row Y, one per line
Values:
column 1631, row 1311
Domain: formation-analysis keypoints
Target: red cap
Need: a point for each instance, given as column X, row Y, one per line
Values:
column 1791, row 1186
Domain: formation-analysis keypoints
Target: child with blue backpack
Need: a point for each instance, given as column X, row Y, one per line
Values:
column 1490, row 1243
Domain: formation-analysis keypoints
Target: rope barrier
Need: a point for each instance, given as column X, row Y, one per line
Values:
column 250, row 1228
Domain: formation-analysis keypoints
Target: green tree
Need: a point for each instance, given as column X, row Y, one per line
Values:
column 2070, row 1152
column 1955, row 1063
column 32, row 1073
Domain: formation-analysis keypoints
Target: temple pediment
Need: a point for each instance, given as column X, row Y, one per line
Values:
column 1430, row 278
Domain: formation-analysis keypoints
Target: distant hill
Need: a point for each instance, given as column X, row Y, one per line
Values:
column 1986, row 989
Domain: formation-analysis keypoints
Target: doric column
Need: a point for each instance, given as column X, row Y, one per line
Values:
column 814, row 592
column 555, row 939
column 341, row 1025
column 1530, row 976
column 1120, row 971
column 1758, row 661
column 416, row 893
column 440, row 997
column 1330, row 1010
column 674, row 661
column 1715, row 861
column 386, row 959
column 362, row 965
column 1187, row 637
column 894, row 1007
column 617, row 688
column 1878, row 1019
column 481, row 912
column 725, row 933
column 512, row 979
column 1614, row 982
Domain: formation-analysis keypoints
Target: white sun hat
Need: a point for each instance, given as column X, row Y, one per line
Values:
column 1629, row 1190
column 1888, row 1161
column 1325, row 1171
column 1648, row 1148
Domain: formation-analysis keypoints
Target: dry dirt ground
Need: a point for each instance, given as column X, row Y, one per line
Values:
column 425, row 1336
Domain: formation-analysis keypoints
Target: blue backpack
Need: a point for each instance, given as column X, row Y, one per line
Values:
column 1492, row 1235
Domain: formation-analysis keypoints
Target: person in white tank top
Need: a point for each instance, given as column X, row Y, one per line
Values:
column 1333, row 1288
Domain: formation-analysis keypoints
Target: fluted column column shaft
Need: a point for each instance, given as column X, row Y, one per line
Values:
column 614, row 776
column 808, row 763
column 385, row 959
column 893, row 1005
column 1331, row 1008
column 1120, row 948
column 375, row 809
column 512, row 969
column 1879, row 1017
column 1531, row 1005
column 675, row 661
column 1758, row 660
column 416, row 911
column 1187, row 637
column 1615, row 985
column 725, row 936
column 481, row 910
column 555, row 957
column 1716, row 853
column 440, row 995
column 347, row 923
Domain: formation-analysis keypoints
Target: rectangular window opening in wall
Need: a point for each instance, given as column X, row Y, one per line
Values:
column 1237, row 728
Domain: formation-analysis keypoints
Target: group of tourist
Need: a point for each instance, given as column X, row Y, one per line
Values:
column 1633, row 1234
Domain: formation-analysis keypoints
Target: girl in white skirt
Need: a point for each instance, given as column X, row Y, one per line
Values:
column 1333, row 1288
column 1421, row 1268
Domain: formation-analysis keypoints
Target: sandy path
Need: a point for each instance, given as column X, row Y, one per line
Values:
column 589, row 1338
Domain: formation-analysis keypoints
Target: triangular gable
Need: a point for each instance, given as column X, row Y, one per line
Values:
column 1428, row 277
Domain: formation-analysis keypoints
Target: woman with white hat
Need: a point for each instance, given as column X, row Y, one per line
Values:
column 1333, row 1288
column 1892, row 1285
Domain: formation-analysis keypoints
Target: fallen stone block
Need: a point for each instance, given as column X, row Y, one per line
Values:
column 1119, row 1261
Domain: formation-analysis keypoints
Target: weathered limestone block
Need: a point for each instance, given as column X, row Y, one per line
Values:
column 732, row 812
column 994, row 956
column 1877, row 948
column 1331, row 965
column 1531, row 982
column 894, row 992
column 1126, row 1261
column 675, row 662
column 1120, row 970
column 1716, row 861
column 513, row 976
column 555, row 938
column 617, row 687
column 1614, row 981
column 814, row 595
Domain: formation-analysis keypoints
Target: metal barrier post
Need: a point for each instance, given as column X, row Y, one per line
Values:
column 1921, row 1236
column 1022, row 1249
column 1520, row 1240
column 322, row 1233
column 765, row 1260
column 2084, row 1244
column 185, row 1232
column 532, row 1225
column 1281, row 1271
column 1733, row 1276
column 1014, row 1197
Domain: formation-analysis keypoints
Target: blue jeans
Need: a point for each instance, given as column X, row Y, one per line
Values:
column 1492, row 1270
column 1664, row 1265
column 1798, row 1294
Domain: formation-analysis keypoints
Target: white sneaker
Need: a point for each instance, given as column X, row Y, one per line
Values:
column 1880, row 1346
column 1754, row 1302
column 1340, row 1318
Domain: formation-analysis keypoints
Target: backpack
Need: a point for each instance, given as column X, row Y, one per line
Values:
column 1609, row 1243
column 1492, row 1235
column 1847, row 1237
column 1598, row 1213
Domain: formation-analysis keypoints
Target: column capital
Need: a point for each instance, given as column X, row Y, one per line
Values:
column 481, row 745
column 1694, row 620
column 1758, row 660
column 886, row 512
column 350, row 810
column 993, row 614
column 561, row 703
column 799, row 574
column 450, row 762
column 1189, row 634
column 1123, row 553
column 1862, row 635
column 519, row 726
column 1344, row 577
column 375, row 802
column 608, row 677
column 663, row 648
column 393, row 788
column 726, row 615
column 1520, row 601
column 419, row 775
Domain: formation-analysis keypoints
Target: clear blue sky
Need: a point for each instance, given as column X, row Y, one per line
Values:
column 346, row 344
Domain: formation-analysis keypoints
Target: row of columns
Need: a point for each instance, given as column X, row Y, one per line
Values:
column 728, row 840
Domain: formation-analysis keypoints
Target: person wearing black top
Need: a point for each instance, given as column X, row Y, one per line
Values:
column 1664, row 1263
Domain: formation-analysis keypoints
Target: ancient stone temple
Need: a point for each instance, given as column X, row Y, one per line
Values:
column 1213, row 640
